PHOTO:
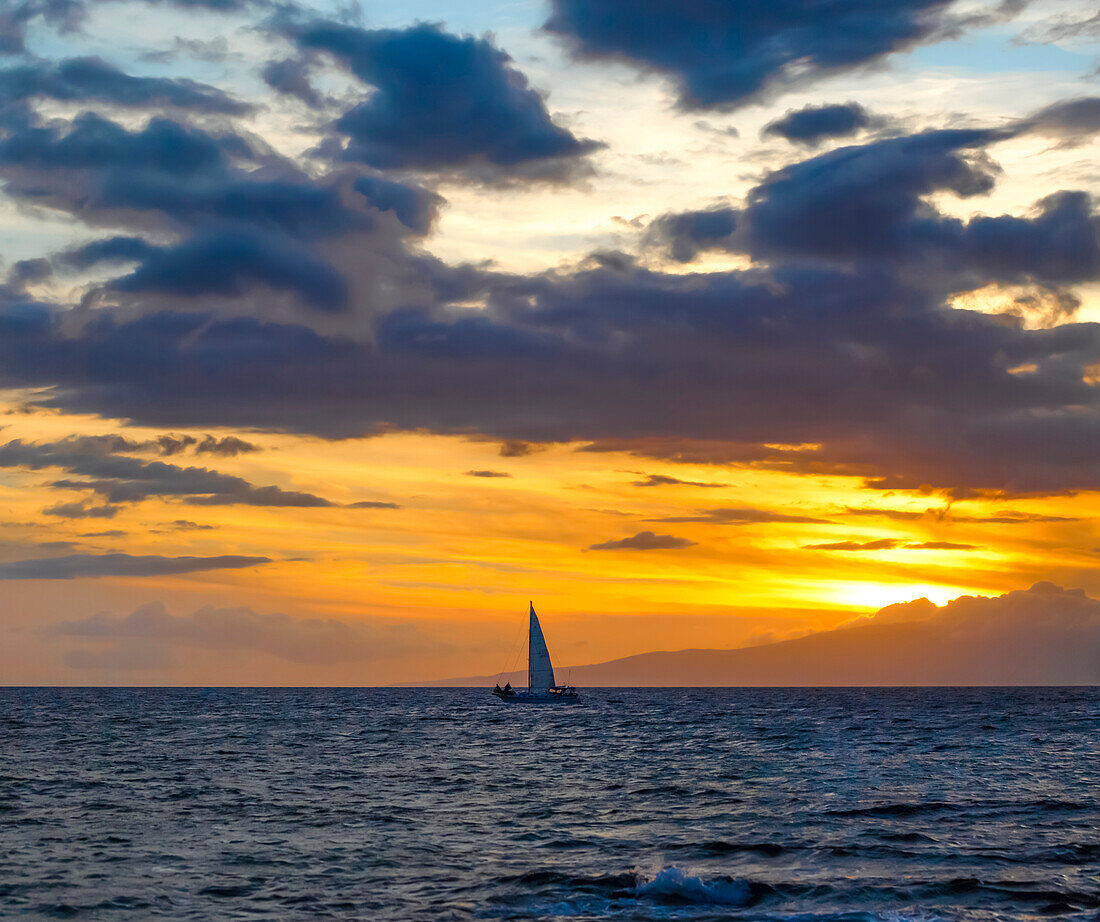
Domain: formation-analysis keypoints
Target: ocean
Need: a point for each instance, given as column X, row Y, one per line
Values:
column 639, row 804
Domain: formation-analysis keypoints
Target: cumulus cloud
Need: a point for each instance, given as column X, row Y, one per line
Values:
column 643, row 541
column 248, row 292
column 684, row 234
column 721, row 55
column 811, row 125
column 86, row 80
column 866, row 203
column 871, row 373
column 414, row 206
column 88, row 566
column 232, row 263
column 290, row 76
column 213, row 218
column 150, row 636
column 442, row 102
column 1042, row 608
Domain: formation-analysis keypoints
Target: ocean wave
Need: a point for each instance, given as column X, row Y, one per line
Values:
column 672, row 885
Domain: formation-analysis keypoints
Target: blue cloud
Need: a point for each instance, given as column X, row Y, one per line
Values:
column 229, row 263
column 94, row 80
column 812, row 124
column 685, row 233
column 414, row 206
column 442, row 102
column 724, row 54
column 92, row 141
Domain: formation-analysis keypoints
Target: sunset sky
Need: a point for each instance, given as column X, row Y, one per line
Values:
column 331, row 336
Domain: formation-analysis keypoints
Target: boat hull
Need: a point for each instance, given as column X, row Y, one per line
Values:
column 524, row 698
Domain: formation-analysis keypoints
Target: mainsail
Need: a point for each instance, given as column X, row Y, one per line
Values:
column 540, row 671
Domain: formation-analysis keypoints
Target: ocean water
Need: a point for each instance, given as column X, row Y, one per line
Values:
column 685, row 804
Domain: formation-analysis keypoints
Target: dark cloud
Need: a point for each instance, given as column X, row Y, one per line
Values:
column 742, row 516
column 231, row 263
column 123, row 479
column 1001, row 517
column 685, row 233
column 517, row 448
column 167, row 445
column 290, row 76
column 889, row 544
column 644, row 541
column 488, row 474
column 443, row 102
column 372, row 504
column 664, row 480
column 811, row 125
column 87, row 566
column 214, row 218
column 1072, row 120
column 15, row 15
column 228, row 446
column 836, row 353
column 875, row 377
column 722, row 55
column 149, row 635
column 867, row 203
column 93, row 142
column 83, row 510
column 111, row 533
column 92, row 79
column 414, row 206
column 28, row 271
column 882, row 544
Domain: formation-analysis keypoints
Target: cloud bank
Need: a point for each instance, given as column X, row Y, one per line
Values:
column 151, row 637
column 86, row 566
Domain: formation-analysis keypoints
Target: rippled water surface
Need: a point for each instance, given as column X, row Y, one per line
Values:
column 691, row 804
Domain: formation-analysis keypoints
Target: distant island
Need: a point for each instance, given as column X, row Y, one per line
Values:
column 1041, row 636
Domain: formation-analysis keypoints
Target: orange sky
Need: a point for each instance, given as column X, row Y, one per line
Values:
column 459, row 558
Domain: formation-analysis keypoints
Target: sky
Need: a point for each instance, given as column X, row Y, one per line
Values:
column 331, row 335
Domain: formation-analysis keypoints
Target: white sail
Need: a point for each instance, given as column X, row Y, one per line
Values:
column 540, row 671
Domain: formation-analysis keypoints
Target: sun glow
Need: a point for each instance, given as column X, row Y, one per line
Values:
column 878, row 595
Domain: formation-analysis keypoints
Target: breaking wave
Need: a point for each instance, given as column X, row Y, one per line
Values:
column 671, row 885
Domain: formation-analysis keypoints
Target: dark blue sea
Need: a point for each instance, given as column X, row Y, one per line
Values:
column 686, row 804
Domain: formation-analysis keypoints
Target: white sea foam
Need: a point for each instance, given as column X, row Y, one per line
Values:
column 673, row 884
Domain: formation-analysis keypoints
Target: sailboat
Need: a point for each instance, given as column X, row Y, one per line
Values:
column 541, row 688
